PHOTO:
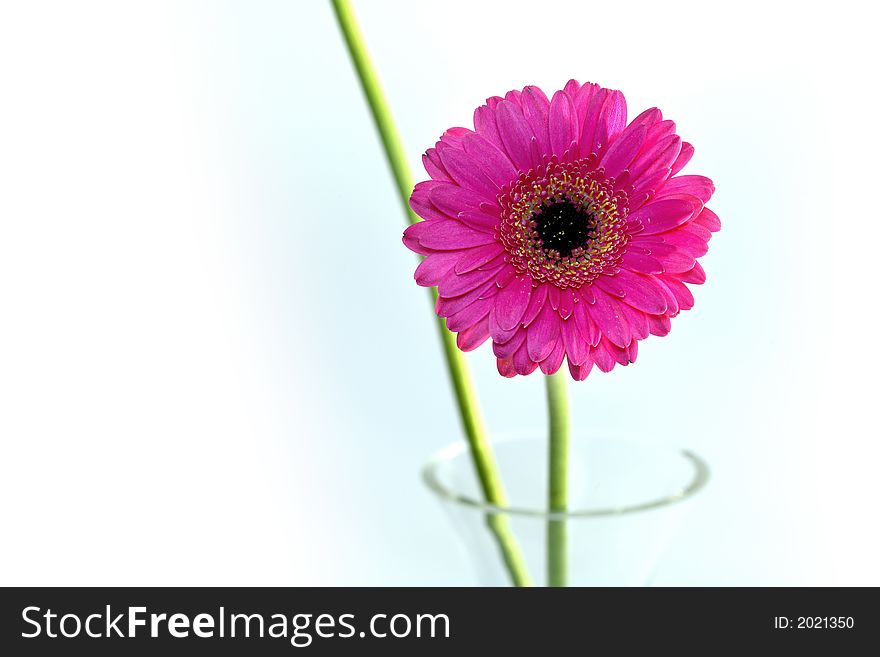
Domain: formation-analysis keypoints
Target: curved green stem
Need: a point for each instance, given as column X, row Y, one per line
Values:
column 557, row 494
column 462, row 384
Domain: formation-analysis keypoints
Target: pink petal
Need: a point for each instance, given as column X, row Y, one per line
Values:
column 543, row 333
column 433, row 268
column 632, row 352
column 566, row 303
column 673, row 259
column 492, row 102
column 434, row 166
column 486, row 126
column 608, row 317
column 590, row 122
column 649, row 118
column 572, row 87
column 508, row 349
column 695, row 276
column 411, row 237
column 659, row 131
column 453, row 136
column 587, row 328
column 699, row 186
column 492, row 209
column 451, row 235
column 536, row 110
column 672, row 308
column 478, row 220
column 451, row 305
column 471, row 338
column 586, row 294
column 580, row 372
column 709, row 220
column 687, row 152
column 620, row 354
column 452, row 199
column 562, row 121
column 641, row 292
column 682, row 293
column 612, row 119
column 504, row 277
column 582, row 98
column 536, row 304
column 637, row 320
column 602, row 355
column 499, row 260
column 684, row 240
column 467, row 317
column 492, row 159
column 512, row 301
column 623, row 150
column 477, row 257
column 695, row 229
column 576, row 346
column 521, row 361
column 641, row 263
column 500, row 335
column 553, row 362
column 420, row 202
column 659, row 325
column 659, row 156
column 467, row 173
column 647, row 184
column 506, row 368
column 454, row 285
column 610, row 284
column 515, row 134
column 637, row 200
column 662, row 215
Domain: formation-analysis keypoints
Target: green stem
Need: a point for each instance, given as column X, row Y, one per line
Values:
column 557, row 494
column 462, row 384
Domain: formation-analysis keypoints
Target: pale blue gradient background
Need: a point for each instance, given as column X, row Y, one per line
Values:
column 215, row 367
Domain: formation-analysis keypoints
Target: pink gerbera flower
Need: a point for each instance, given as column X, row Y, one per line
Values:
column 559, row 231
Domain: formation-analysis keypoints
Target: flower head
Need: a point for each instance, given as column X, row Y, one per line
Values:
column 559, row 231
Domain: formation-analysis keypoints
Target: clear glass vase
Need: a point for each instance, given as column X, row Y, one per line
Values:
column 626, row 500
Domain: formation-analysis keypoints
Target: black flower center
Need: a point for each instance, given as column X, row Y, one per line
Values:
column 564, row 227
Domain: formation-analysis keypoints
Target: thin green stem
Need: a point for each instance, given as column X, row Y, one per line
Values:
column 391, row 141
column 459, row 373
column 557, row 493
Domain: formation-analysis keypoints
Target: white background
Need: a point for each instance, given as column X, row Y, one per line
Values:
column 215, row 367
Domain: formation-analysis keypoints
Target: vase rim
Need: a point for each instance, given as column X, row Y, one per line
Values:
column 432, row 479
